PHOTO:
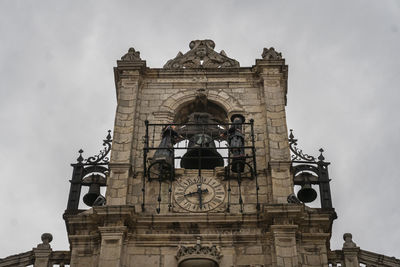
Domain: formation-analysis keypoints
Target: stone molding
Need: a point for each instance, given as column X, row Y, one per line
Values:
column 119, row 167
column 279, row 165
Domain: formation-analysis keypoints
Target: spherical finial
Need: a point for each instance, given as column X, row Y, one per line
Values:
column 47, row 238
column 347, row 236
column 348, row 241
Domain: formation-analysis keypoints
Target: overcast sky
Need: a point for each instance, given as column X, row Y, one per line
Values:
column 57, row 95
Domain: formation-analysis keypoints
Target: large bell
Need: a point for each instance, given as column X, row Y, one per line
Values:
column 201, row 153
column 307, row 194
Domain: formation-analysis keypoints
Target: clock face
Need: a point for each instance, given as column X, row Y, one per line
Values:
column 199, row 194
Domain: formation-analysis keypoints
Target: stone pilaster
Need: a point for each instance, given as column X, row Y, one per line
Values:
column 42, row 256
column 111, row 245
column 43, row 251
column 128, row 76
column 284, row 238
column 273, row 73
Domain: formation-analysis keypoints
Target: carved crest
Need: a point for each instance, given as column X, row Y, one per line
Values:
column 132, row 55
column 197, row 252
column 201, row 55
column 271, row 54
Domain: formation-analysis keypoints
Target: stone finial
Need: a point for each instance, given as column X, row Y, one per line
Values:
column 271, row 54
column 201, row 55
column 132, row 55
column 348, row 241
column 46, row 239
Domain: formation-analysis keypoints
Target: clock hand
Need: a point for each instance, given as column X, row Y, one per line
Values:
column 195, row 192
column 190, row 194
column 200, row 192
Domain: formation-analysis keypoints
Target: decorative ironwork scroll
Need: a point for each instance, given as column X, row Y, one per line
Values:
column 297, row 153
column 102, row 156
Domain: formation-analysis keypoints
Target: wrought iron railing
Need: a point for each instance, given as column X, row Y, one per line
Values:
column 236, row 168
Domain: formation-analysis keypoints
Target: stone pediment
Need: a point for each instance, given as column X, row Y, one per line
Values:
column 201, row 55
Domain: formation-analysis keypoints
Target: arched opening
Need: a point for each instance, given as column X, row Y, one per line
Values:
column 198, row 262
column 201, row 130
column 201, row 104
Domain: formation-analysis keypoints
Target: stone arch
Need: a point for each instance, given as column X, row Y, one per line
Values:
column 227, row 102
column 200, row 104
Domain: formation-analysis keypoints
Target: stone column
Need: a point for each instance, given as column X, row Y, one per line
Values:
column 111, row 245
column 273, row 73
column 350, row 251
column 43, row 251
column 128, row 76
column 284, row 239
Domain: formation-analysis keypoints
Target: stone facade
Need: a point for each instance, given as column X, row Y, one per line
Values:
column 254, row 225
column 128, row 236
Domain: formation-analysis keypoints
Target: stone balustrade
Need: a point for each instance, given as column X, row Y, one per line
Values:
column 41, row 256
column 353, row 256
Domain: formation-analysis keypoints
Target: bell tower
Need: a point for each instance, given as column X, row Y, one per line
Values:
column 201, row 172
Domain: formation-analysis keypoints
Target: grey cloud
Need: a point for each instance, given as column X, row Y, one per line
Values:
column 57, row 95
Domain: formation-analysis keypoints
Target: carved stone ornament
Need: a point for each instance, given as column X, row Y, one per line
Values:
column 271, row 54
column 46, row 239
column 348, row 241
column 132, row 55
column 201, row 55
column 198, row 255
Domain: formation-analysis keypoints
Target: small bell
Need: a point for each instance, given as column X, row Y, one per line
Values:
column 94, row 181
column 306, row 194
column 92, row 195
